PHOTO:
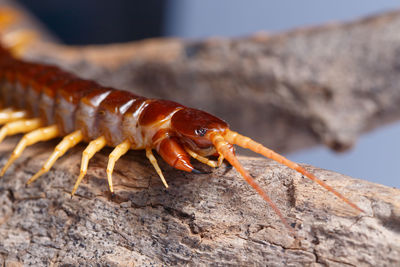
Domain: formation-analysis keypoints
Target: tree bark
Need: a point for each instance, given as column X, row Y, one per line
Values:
column 328, row 84
column 210, row 219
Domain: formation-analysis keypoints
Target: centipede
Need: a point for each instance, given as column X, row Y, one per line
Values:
column 44, row 102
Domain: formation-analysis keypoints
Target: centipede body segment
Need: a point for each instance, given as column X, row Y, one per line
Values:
column 45, row 102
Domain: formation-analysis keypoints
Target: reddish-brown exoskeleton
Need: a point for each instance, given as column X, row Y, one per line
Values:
column 46, row 102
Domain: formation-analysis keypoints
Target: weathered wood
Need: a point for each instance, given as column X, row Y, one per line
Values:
column 325, row 84
column 214, row 219
column 291, row 90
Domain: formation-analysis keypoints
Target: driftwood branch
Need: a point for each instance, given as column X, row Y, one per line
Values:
column 291, row 90
column 325, row 84
column 200, row 219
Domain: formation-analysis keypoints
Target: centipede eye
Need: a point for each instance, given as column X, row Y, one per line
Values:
column 201, row 131
column 196, row 125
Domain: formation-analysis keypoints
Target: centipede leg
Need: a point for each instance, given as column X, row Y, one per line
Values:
column 9, row 115
column 68, row 142
column 118, row 151
column 21, row 126
column 93, row 147
column 211, row 163
column 153, row 161
column 41, row 134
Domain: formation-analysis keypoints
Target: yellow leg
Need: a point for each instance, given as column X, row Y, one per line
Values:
column 8, row 115
column 21, row 126
column 93, row 147
column 150, row 156
column 41, row 134
column 205, row 160
column 118, row 151
column 68, row 142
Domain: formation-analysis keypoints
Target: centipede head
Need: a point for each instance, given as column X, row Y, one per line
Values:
column 208, row 135
column 193, row 127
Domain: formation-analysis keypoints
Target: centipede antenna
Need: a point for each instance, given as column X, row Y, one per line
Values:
column 246, row 142
column 222, row 147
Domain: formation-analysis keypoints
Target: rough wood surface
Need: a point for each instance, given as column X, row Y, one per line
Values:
column 213, row 219
column 325, row 84
column 291, row 90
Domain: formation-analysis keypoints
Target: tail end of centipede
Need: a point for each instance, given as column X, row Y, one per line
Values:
column 223, row 147
column 245, row 142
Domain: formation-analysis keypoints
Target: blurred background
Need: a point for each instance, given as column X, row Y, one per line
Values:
column 377, row 153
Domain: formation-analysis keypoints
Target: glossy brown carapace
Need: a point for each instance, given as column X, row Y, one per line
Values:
column 46, row 102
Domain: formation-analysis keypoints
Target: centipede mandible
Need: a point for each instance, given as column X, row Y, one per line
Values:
column 45, row 102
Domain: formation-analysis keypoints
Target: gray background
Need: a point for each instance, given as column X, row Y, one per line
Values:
column 376, row 155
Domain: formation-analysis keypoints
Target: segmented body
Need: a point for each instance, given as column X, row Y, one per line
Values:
column 83, row 110
column 46, row 102
column 58, row 97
